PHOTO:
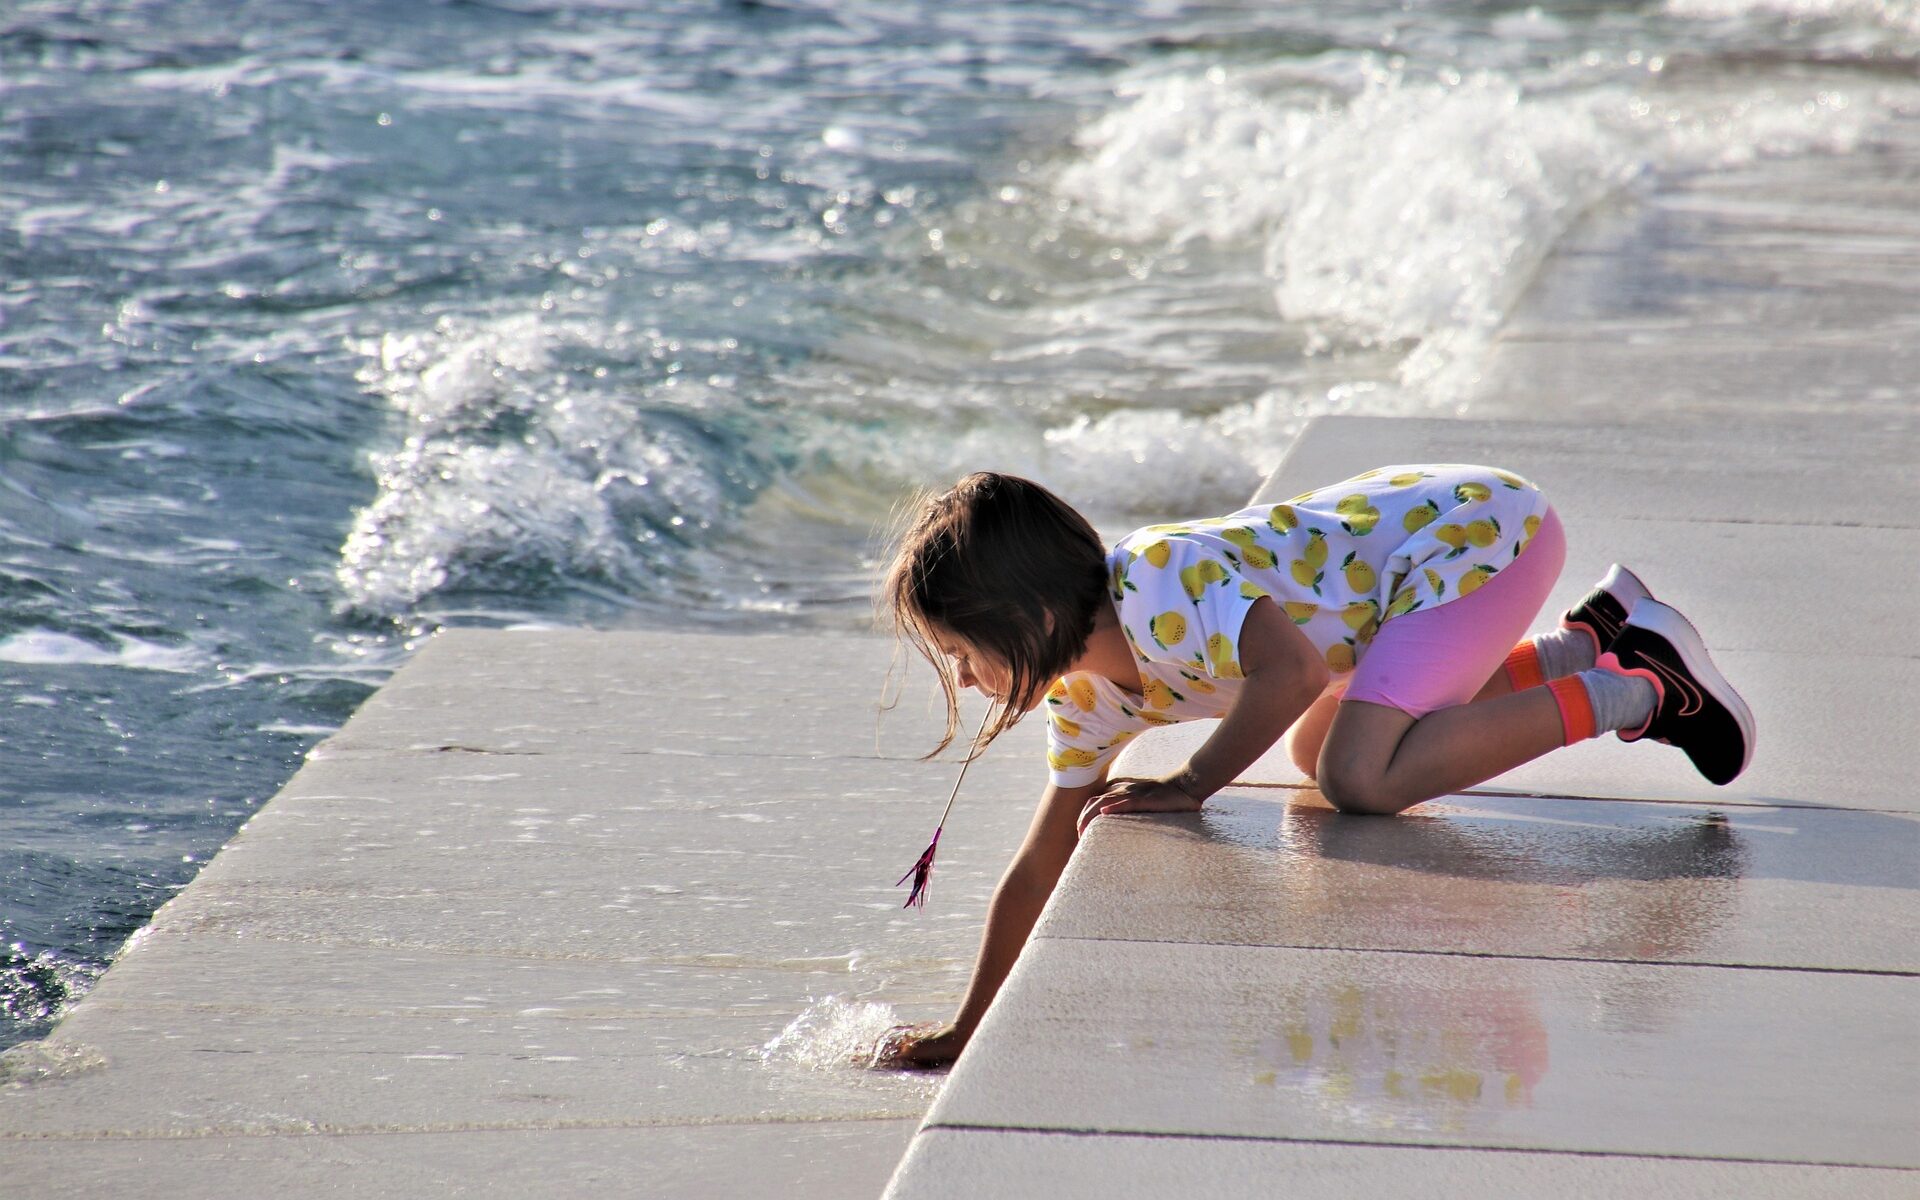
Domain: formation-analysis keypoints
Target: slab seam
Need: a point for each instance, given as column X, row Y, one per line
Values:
column 1487, row 954
column 966, row 1127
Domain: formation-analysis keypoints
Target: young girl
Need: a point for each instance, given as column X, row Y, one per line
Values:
column 1376, row 623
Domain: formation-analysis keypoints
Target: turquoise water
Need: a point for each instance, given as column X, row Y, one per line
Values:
column 322, row 327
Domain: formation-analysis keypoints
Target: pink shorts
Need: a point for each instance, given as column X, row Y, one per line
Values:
column 1443, row 656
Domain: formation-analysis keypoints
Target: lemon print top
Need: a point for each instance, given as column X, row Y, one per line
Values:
column 1340, row 561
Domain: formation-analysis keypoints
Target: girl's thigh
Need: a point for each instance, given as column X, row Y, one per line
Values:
column 1442, row 656
column 1309, row 733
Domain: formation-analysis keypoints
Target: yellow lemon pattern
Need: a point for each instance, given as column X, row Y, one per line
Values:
column 1337, row 563
column 1061, row 760
column 1222, row 658
column 1159, row 695
column 1471, row 581
column 1357, row 516
column 1362, row 579
column 1168, row 629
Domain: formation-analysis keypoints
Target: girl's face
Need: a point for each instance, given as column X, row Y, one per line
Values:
column 975, row 668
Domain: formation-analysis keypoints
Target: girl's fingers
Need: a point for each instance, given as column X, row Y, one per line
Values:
column 896, row 1046
column 1134, row 795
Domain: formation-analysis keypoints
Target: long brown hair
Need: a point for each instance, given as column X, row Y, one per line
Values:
column 1009, row 567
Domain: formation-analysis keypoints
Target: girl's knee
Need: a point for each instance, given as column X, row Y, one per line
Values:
column 1355, row 788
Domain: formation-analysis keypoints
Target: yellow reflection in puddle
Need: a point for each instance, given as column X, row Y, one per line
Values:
column 1406, row 1055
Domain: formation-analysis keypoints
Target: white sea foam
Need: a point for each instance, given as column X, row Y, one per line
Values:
column 1176, row 462
column 583, row 486
column 45, row 647
column 1898, row 15
column 1411, row 212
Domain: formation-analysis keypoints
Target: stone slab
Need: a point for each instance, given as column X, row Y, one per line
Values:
column 776, row 696
column 562, row 901
column 1346, row 1046
column 824, row 1160
column 200, row 1073
column 1784, row 284
column 1699, row 378
column 1569, row 879
column 631, row 856
column 1762, row 468
column 1756, row 587
column 177, row 974
column 993, row 1164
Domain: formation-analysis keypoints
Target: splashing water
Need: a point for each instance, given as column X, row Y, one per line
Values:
column 36, row 989
column 832, row 1033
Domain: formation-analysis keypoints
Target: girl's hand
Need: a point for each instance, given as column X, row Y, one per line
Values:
column 917, row 1047
column 1138, row 795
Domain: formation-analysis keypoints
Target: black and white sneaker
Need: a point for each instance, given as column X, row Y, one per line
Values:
column 1697, row 709
column 1605, row 609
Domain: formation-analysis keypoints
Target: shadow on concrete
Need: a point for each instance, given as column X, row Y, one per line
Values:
column 1576, row 842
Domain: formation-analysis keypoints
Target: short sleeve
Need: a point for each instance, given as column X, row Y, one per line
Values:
column 1084, row 731
column 1185, row 602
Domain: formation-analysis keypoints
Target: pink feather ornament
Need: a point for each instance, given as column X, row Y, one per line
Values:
column 922, row 872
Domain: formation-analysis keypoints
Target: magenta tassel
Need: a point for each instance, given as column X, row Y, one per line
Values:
column 923, row 869
column 922, row 873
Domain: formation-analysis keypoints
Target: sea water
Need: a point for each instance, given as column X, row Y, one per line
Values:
column 326, row 326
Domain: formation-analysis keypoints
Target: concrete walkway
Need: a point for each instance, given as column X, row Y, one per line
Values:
column 519, row 929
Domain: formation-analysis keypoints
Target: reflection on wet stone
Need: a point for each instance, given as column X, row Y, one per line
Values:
column 1513, row 877
column 1396, row 1054
column 1404, row 1057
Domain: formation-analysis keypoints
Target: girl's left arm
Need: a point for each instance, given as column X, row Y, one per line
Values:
column 1284, row 676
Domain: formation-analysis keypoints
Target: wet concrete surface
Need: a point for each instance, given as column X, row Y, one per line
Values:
column 1448, row 1049
column 525, row 927
column 1591, row 880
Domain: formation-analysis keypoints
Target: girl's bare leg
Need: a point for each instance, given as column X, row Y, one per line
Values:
column 1309, row 733
column 1380, row 760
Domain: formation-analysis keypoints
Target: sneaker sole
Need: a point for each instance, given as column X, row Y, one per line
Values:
column 1667, row 621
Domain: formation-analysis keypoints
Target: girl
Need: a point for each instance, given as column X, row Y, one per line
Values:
column 1376, row 623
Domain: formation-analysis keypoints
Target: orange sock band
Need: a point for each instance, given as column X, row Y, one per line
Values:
column 1523, row 667
column 1576, row 708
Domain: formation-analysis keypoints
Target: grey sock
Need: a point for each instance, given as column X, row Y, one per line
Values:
column 1619, row 701
column 1563, row 652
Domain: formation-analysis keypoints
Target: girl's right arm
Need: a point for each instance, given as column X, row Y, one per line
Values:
column 1017, row 902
